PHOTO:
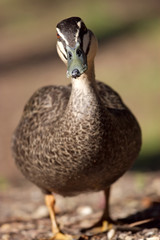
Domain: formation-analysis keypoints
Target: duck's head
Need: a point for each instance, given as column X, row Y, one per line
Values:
column 76, row 45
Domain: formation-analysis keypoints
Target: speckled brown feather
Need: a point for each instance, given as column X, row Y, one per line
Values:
column 71, row 141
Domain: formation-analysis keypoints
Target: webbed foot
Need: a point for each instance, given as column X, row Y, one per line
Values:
column 99, row 227
column 62, row 236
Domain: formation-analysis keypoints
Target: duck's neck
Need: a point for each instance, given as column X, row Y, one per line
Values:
column 85, row 83
column 84, row 97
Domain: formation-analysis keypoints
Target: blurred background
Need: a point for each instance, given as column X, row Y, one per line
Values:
column 128, row 60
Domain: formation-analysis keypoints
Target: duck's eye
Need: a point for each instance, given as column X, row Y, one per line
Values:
column 58, row 36
column 79, row 52
column 69, row 55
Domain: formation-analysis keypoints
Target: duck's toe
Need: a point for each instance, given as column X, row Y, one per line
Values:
column 62, row 236
column 100, row 226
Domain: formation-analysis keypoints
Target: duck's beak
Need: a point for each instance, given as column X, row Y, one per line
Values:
column 77, row 61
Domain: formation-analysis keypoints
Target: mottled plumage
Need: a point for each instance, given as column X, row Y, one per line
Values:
column 80, row 137
column 71, row 144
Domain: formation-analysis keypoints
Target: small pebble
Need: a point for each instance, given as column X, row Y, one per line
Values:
column 111, row 234
column 84, row 210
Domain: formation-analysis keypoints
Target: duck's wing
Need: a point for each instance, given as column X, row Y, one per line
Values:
column 109, row 97
column 46, row 105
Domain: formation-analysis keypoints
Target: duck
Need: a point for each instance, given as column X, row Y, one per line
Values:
column 77, row 138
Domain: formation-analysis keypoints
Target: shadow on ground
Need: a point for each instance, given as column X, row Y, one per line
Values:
column 147, row 218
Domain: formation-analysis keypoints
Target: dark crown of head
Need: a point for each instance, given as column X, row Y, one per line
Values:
column 69, row 28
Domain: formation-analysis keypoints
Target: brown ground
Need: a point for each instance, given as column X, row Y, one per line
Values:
column 134, row 200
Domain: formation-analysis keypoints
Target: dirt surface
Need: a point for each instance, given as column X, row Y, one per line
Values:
column 135, row 202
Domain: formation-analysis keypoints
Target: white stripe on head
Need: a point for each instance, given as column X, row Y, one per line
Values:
column 77, row 33
column 85, row 41
column 79, row 24
column 61, row 53
column 62, row 36
column 61, row 48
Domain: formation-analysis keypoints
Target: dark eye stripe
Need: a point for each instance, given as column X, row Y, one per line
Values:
column 62, row 52
column 63, row 55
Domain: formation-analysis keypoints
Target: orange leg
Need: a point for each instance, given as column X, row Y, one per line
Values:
column 105, row 223
column 57, row 234
column 50, row 202
column 106, row 212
